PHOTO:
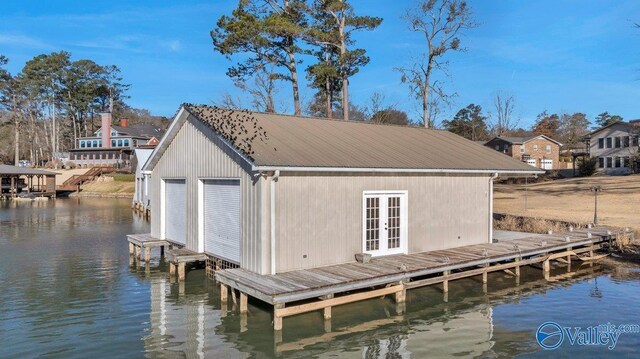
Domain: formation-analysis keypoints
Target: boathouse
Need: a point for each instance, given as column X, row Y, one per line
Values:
column 274, row 193
column 15, row 180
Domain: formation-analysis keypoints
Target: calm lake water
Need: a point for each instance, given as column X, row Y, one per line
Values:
column 69, row 291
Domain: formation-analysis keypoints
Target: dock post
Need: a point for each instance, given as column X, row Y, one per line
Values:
column 401, row 295
column 517, row 267
column 326, row 313
column 131, row 249
column 243, row 303
column 181, row 271
column 277, row 319
column 445, row 283
column 546, row 268
column 224, row 294
column 147, row 254
column 137, row 252
column 172, row 270
column 485, row 276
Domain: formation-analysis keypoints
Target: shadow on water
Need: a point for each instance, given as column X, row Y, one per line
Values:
column 70, row 291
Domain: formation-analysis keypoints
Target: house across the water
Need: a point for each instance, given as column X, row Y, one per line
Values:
column 113, row 145
column 536, row 150
column 273, row 193
column 615, row 147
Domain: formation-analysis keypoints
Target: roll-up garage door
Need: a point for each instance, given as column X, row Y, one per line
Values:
column 222, row 219
column 175, row 209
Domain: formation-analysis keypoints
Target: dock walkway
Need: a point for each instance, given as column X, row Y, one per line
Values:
column 324, row 287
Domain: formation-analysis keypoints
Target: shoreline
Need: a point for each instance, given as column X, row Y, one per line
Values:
column 83, row 194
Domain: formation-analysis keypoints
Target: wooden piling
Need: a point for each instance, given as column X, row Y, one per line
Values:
column 181, row 271
column 243, row 303
column 224, row 294
column 277, row 318
column 445, row 282
column 147, row 254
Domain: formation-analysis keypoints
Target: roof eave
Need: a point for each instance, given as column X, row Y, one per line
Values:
column 394, row 170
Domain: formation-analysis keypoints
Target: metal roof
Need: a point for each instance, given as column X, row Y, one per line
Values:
column 293, row 142
column 20, row 171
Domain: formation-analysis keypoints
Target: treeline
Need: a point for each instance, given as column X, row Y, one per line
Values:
column 568, row 128
column 54, row 100
column 269, row 38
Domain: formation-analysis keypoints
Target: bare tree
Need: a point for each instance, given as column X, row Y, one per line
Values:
column 440, row 21
column 504, row 106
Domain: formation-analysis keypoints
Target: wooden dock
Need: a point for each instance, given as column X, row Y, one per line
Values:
column 302, row 291
column 178, row 258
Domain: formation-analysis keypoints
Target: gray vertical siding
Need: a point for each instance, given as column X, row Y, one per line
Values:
column 320, row 216
column 197, row 153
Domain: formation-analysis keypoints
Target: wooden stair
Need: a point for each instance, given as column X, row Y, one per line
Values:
column 74, row 182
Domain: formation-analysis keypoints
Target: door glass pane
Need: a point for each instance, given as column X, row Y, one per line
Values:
column 372, row 224
column 393, row 224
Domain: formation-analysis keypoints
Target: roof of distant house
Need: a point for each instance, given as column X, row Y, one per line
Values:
column 629, row 124
column 146, row 130
column 523, row 139
column 26, row 171
column 302, row 143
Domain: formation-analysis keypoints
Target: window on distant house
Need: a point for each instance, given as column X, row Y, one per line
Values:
column 609, row 162
column 600, row 142
column 609, row 142
column 82, row 144
column 601, row 162
column 617, row 162
column 626, row 162
column 625, row 141
column 635, row 141
column 126, row 143
column 618, row 142
column 119, row 143
column 548, row 149
column 535, row 148
column 522, row 149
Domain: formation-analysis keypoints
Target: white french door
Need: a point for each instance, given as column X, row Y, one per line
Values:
column 384, row 223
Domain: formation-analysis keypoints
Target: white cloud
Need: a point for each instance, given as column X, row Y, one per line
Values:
column 23, row 40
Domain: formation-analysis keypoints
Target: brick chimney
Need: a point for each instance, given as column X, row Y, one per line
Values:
column 106, row 129
column 124, row 122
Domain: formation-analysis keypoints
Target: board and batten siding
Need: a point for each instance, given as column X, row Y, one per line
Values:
column 319, row 217
column 197, row 153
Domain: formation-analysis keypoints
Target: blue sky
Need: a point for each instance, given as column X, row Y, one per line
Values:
column 559, row 56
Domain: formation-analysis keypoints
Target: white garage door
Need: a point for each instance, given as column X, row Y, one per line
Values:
column 547, row 164
column 175, row 210
column 222, row 218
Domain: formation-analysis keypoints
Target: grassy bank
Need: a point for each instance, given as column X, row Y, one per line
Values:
column 571, row 200
column 113, row 185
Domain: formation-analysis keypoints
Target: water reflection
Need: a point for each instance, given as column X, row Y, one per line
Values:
column 185, row 324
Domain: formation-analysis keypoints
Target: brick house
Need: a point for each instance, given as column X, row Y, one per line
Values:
column 538, row 150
